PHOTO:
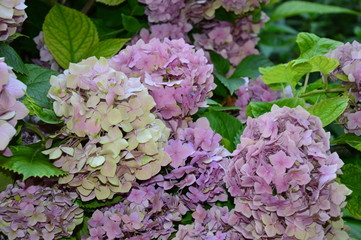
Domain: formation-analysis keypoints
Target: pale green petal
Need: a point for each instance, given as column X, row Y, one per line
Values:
column 96, row 161
column 144, row 136
column 114, row 116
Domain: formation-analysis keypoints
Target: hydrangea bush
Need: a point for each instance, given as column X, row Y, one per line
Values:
column 169, row 119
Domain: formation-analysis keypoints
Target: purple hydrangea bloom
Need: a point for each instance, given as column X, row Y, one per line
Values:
column 349, row 56
column 232, row 41
column 196, row 167
column 209, row 224
column 240, row 6
column 11, row 110
column 283, row 176
column 12, row 15
column 163, row 10
column 178, row 77
column 165, row 30
column 38, row 212
column 46, row 60
column 351, row 120
column 146, row 213
column 254, row 91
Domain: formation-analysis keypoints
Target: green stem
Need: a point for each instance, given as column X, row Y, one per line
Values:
column 325, row 80
column 35, row 130
column 335, row 90
column 87, row 6
column 306, row 82
column 114, row 32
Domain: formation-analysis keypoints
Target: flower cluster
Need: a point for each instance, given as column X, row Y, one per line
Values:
column 240, row 6
column 232, row 41
column 11, row 110
column 349, row 58
column 114, row 138
column 165, row 30
column 196, row 169
column 46, row 58
column 253, row 91
column 12, row 15
column 38, row 212
column 147, row 213
column 162, row 10
column 352, row 122
column 178, row 77
column 209, row 224
column 283, row 178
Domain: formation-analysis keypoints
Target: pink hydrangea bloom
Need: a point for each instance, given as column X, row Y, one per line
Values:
column 12, row 15
column 147, row 213
column 254, row 91
column 283, row 176
column 115, row 138
column 178, row 77
column 11, row 110
column 35, row 212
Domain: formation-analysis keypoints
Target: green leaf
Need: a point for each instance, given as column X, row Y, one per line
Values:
column 5, row 179
column 187, row 218
column 355, row 228
column 221, row 108
column 38, row 83
column 292, row 8
column 131, row 24
column 136, row 8
column 221, row 64
column 12, row 58
column 318, row 64
column 111, row 2
column 329, row 109
column 351, row 178
column 257, row 109
column 237, row 138
column 82, row 229
column 250, row 65
column 350, row 139
column 231, row 83
column 15, row 36
column 219, row 121
column 68, row 34
column 30, row 162
column 95, row 203
column 107, row 48
column 283, row 73
column 311, row 45
column 46, row 115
